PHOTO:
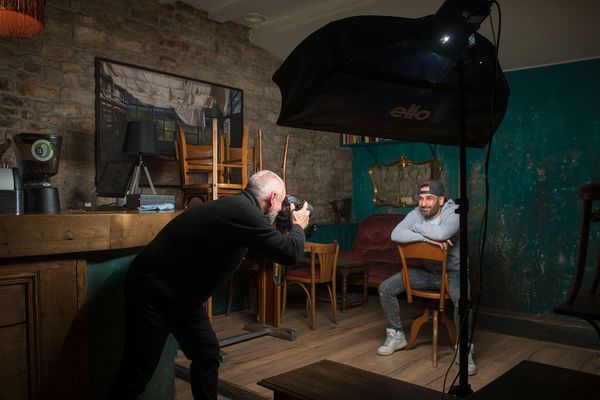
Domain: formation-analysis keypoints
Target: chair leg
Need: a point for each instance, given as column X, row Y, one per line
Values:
column 185, row 199
column 416, row 326
column 307, row 305
column 232, row 281
column 449, row 325
column 208, row 308
column 313, row 306
column 435, row 336
column 597, row 275
column 333, row 299
column 284, row 300
column 583, row 243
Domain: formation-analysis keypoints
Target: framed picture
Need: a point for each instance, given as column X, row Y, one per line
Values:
column 396, row 184
column 127, row 92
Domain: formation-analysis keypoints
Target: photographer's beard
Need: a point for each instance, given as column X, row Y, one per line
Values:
column 272, row 212
column 270, row 216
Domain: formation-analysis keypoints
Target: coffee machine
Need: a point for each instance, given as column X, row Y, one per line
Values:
column 37, row 157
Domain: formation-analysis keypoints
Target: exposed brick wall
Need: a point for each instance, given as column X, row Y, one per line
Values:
column 47, row 85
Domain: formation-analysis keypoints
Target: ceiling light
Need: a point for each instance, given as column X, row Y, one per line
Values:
column 21, row 17
column 254, row 18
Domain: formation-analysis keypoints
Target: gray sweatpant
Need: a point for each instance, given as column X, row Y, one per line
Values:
column 420, row 278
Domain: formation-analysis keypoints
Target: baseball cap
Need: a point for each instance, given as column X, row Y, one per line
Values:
column 435, row 187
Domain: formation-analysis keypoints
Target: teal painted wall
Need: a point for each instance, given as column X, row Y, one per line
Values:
column 343, row 233
column 105, row 275
column 546, row 148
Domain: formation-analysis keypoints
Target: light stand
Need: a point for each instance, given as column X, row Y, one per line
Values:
column 463, row 389
column 135, row 182
column 140, row 138
column 451, row 30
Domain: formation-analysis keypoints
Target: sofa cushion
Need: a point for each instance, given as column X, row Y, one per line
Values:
column 379, row 272
column 373, row 242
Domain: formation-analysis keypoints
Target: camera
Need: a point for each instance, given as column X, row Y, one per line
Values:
column 283, row 222
column 298, row 204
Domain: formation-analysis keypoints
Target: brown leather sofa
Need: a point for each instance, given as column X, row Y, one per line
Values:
column 372, row 244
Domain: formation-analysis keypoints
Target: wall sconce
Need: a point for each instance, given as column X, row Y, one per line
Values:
column 21, row 17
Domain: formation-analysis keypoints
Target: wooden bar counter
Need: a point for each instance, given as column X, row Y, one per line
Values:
column 60, row 289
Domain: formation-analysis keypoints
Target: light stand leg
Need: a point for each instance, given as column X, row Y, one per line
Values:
column 149, row 179
column 463, row 389
column 135, row 178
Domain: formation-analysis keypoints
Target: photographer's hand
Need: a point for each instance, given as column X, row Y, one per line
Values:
column 300, row 216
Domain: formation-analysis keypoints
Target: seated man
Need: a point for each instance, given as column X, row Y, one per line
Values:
column 434, row 221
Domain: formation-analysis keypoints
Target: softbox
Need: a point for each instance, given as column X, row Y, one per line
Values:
column 377, row 76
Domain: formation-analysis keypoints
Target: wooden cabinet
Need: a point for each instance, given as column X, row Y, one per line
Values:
column 43, row 302
column 39, row 329
column 15, row 366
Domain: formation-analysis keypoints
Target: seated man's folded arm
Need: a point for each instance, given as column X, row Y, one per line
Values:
column 403, row 233
column 439, row 233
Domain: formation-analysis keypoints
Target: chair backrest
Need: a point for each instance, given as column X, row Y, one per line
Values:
column 193, row 159
column 235, row 161
column 284, row 158
column 424, row 252
column 324, row 255
column 225, row 168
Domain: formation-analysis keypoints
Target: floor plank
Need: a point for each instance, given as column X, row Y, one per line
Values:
column 354, row 342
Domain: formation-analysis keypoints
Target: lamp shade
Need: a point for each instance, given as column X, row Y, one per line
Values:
column 21, row 17
column 140, row 138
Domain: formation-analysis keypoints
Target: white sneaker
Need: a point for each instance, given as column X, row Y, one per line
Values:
column 471, row 367
column 395, row 341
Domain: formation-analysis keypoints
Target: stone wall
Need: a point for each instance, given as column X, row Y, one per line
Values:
column 47, row 85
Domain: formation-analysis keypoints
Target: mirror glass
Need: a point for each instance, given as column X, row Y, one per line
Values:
column 396, row 184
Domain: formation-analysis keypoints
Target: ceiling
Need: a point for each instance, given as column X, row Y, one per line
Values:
column 534, row 32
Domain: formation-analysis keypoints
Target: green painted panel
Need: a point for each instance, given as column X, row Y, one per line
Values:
column 546, row 148
column 343, row 233
column 105, row 277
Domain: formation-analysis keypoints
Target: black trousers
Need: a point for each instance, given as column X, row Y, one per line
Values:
column 148, row 324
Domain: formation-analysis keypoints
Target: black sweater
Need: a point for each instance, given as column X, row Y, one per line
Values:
column 200, row 248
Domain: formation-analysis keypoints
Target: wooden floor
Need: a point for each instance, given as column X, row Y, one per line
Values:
column 354, row 342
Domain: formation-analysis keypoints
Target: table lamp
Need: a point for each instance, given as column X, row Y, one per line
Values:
column 140, row 138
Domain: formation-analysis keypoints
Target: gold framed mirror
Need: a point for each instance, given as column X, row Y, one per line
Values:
column 395, row 184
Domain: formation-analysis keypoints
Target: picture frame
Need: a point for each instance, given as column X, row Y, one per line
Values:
column 396, row 184
column 126, row 92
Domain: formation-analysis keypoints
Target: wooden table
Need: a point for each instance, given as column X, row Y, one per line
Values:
column 327, row 380
column 532, row 380
column 345, row 268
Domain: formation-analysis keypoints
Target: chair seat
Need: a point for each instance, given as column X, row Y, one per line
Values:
column 429, row 294
column 302, row 273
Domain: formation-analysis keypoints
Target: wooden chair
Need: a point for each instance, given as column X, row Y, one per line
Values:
column 427, row 252
column 208, row 308
column 284, row 158
column 321, row 270
column 585, row 305
column 213, row 166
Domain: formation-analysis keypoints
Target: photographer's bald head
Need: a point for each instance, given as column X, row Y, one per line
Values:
column 269, row 190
